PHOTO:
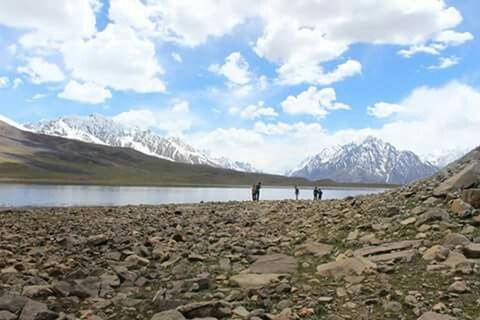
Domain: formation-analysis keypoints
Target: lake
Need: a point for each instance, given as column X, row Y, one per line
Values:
column 20, row 195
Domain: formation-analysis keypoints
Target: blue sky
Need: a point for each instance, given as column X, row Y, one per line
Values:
column 267, row 83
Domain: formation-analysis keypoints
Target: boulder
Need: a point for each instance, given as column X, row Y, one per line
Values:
column 345, row 267
column 169, row 315
column 437, row 252
column 458, row 287
column 205, row 309
column 469, row 176
column 472, row 250
column 472, row 197
column 34, row 310
column 7, row 315
column 274, row 263
column 452, row 240
column 433, row 214
column 460, row 208
column 38, row 291
column 12, row 303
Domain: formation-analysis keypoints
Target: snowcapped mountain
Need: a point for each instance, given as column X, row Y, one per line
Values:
column 103, row 130
column 370, row 161
column 444, row 157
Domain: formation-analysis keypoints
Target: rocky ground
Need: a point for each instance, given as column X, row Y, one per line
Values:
column 410, row 253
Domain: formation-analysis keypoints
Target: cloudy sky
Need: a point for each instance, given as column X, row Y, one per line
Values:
column 268, row 82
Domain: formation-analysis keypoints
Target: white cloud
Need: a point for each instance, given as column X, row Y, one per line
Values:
column 177, row 57
column 50, row 21
column 445, row 62
column 131, row 13
column 413, row 50
column 174, row 120
column 39, row 96
column 254, row 111
column 383, row 109
column 88, row 92
column 116, row 58
column 453, row 38
column 235, row 69
column 17, row 82
column 40, row 71
column 313, row 102
column 4, row 82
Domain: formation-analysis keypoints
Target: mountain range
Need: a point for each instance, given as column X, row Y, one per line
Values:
column 370, row 161
column 103, row 130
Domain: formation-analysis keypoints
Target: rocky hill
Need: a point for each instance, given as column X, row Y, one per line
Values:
column 371, row 161
column 409, row 253
column 103, row 130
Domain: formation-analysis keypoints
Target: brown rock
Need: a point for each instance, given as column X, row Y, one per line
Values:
column 34, row 310
column 459, row 207
column 253, row 280
column 6, row 315
column 472, row 250
column 435, row 316
column 168, row 315
column 472, row 197
column 274, row 263
column 314, row 248
column 345, row 267
column 469, row 176
column 454, row 239
column 458, row 287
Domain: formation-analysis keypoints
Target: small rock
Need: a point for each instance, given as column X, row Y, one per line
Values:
column 169, row 315
column 458, row 287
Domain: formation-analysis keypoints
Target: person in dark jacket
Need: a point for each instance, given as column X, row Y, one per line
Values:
column 297, row 192
column 257, row 191
column 254, row 192
column 315, row 193
column 320, row 194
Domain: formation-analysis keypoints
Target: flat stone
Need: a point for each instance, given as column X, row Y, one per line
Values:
column 408, row 221
column 254, row 280
column 458, row 287
column 205, row 309
column 345, row 267
column 435, row 316
column 314, row 248
column 472, row 197
column 404, row 255
column 386, row 248
column 472, row 250
column 169, row 315
column 241, row 312
column 274, row 263
column 37, row 291
column 437, row 252
column 469, row 176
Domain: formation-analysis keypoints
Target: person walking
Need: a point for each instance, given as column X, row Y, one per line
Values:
column 320, row 193
column 257, row 191
column 254, row 192
column 315, row 193
column 297, row 192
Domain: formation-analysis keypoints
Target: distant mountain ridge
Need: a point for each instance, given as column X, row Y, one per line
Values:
column 103, row 130
column 370, row 161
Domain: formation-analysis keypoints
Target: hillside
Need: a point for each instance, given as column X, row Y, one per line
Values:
column 31, row 157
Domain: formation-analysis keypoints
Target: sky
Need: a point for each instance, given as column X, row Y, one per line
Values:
column 267, row 82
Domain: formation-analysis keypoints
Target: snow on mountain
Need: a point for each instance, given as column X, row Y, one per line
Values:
column 12, row 123
column 103, row 130
column 370, row 161
column 444, row 157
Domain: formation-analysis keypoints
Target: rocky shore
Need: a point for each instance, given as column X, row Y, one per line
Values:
column 409, row 253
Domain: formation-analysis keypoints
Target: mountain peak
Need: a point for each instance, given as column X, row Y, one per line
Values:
column 370, row 161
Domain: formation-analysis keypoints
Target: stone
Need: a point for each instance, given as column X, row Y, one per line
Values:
column 386, row 248
column 353, row 235
column 469, row 176
column 460, row 208
column 205, row 309
column 435, row 316
column 345, row 267
column 325, row 299
column 472, row 250
column 38, row 291
column 452, row 240
column 472, row 197
column 458, row 287
column 135, row 261
column 408, row 221
column 12, row 303
column 34, row 310
column 314, row 248
column 432, row 214
column 168, row 315
column 274, row 263
column 6, row 315
column 241, row 312
column 97, row 240
column 436, row 252
column 393, row 306
column 253, row 280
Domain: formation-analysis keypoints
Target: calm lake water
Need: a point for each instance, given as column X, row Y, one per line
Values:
column 18, row 195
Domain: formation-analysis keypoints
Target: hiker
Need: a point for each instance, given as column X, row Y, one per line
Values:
column 254, row 192
column 257, row 191
column 315, row 193
column 297, row 191
column 320, row 193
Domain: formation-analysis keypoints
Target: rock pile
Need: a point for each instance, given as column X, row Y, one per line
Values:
column 409, row 253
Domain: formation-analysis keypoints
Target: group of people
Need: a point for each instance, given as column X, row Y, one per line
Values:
column 317, row 192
